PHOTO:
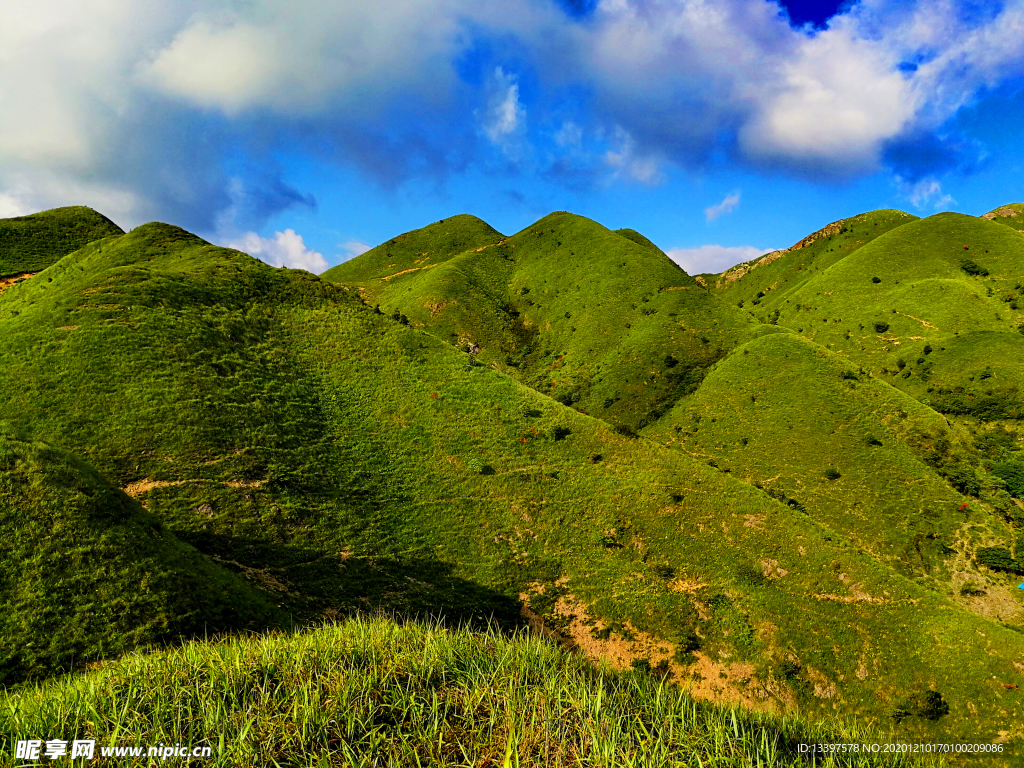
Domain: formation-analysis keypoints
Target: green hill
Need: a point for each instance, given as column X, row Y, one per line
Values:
column 931, row 307
column 598, row 320
column 419, row 250
column 853, row 453
column 341, row 459
column 86, row 573
column 757, row 283
column 1010, row 215
column 29, row 244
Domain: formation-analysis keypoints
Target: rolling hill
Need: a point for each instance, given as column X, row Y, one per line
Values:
column 448, row 425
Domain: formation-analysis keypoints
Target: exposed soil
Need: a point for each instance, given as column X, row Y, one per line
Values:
column 706, row 678
column 7, row 282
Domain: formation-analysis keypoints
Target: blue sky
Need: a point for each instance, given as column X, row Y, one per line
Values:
column 305, row 132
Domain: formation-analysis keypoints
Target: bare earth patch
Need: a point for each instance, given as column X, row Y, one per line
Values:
column 7, row 282
column 706, row 678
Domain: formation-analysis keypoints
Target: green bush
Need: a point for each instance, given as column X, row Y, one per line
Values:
column 832, row 473
column 881, row 327
column 973, row 268
column 1011, row 473
column 998, row 559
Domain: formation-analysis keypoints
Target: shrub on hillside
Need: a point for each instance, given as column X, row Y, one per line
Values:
column 1011, row 473
column 998, row 559
column 881, row 327
column 971, row 267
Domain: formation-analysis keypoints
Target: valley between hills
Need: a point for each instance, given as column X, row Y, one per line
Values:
column 790, row 493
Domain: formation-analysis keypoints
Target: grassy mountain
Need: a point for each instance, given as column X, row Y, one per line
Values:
column 850, row 451
column 600, row 320
column 932, row 307
column 87, row 573
column 340, row 458
column 29, row 244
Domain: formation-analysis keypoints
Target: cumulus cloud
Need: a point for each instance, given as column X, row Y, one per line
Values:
column 728, row 204
column 713, row 258
column 284, row 249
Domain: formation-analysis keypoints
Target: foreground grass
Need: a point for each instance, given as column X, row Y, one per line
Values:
column 373, row 692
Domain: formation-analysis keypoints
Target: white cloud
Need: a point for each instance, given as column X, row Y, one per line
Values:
column 284, row 249
column 304, row 56
column 504, row 119
column 353, row 248
column 925, row 193
column 713, row 258
column 9, row 207
column 831, row 104
column 728, row 204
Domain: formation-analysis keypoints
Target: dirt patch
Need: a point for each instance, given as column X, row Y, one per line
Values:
column 1002, row 213
column 7, row 282
column 437, row 306
column 686, row 585
column 925, row 323
column 407, row 271
column 145, row 486
column 142, row 487
column 706, row 678
column 66, row 327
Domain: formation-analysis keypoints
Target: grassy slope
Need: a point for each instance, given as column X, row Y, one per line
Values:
column 32, row 243
column 586, row 315
column 419, row 250
column 924, row 297
column 342, row 460
column 86, row 573
column 1010, row 215
column 782, row 412
column 370, row 692
column 781, row 272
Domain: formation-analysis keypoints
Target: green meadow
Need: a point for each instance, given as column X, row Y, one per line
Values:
column 737, row 513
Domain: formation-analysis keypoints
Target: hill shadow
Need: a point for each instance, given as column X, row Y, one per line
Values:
column 310, row 585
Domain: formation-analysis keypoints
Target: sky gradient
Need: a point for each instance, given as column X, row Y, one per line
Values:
column 305, row 132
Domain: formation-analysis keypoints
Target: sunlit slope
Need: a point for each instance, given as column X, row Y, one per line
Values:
column 86, row 573
column 598, row 320
column 759, row 285
column 1011, row 215
column 340, row 460
column 934, row 307
column 416, row 251
column 32, row 243
column 863, row 458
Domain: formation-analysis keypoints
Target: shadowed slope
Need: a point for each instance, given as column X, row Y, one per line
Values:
column 86, row 573
column 32, row 243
